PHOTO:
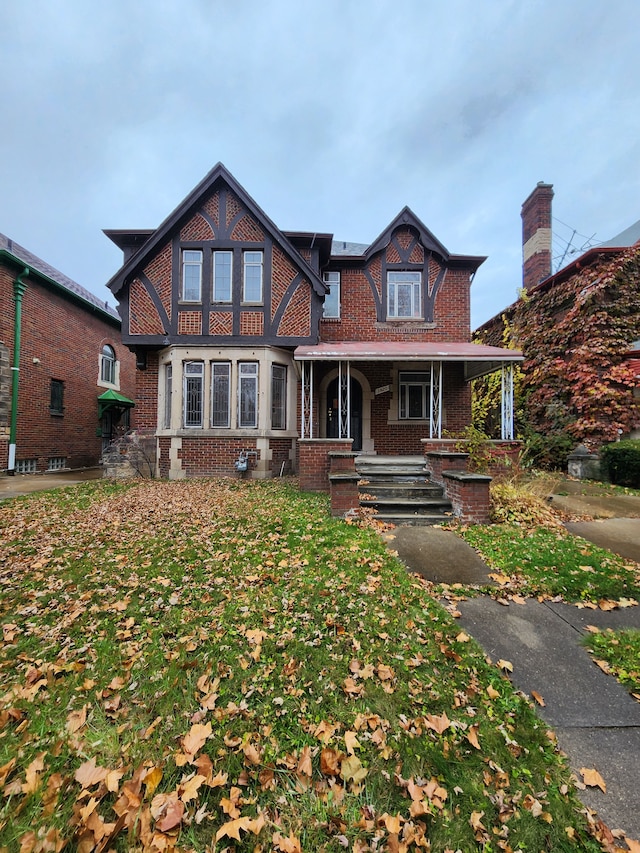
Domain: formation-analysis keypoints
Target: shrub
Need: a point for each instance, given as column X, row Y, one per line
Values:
column 548, row 452
column 513, row 502
column 621, row 462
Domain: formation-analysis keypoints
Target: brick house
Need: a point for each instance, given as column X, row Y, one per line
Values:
column 579, row 331
column 276, row 347
column 75, row 378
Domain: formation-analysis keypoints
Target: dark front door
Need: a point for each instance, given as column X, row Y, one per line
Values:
column 333, row 412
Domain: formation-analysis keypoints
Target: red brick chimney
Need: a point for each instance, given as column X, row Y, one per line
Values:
column 536, row 235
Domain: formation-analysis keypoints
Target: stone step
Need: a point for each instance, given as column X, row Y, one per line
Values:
column 411, row 490
column 410, row 518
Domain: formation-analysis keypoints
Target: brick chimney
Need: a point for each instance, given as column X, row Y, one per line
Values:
column 536, row 235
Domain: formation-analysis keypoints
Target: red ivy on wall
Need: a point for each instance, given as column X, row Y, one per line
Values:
column 575, row 334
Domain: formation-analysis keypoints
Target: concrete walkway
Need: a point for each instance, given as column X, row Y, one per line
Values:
column 596, row 721
column 25, row 484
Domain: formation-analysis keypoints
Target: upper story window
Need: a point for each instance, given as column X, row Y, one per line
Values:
column 252, row 290
column 56, row 400
column 193, row 393
column 108, row 365
column 404, row 291
column 222, row 276
column 332, row 299
column 191, row 290
column 414, row 395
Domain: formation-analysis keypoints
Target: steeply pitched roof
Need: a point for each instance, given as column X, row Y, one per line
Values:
column 628, row 237
column 188, row 207
column 39, row 267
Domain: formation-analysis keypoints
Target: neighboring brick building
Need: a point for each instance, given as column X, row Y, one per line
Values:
column 250, row 339
column 70, row 354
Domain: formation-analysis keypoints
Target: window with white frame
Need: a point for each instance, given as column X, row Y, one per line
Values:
column 168, row 393
column 332, row 298
column 220, row 394
column 413, row 391
column 404, row 295
column 278, row 396
column 192, row 397
column 108, row 365
column 222, row 276
column 252, row 289
column 248, row 394
column 191, row 290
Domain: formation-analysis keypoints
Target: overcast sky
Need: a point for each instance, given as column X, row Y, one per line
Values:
column 333, row 114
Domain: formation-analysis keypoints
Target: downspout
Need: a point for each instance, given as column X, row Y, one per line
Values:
column 19, row 288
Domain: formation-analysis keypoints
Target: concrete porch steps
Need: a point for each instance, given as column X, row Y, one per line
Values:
column 399, row 489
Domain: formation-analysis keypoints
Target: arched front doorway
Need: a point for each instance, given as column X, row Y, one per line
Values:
column 333, row 412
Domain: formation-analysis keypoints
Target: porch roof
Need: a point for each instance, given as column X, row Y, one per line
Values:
column 478, row 359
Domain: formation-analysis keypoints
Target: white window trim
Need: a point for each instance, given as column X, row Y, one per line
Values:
column 191, row 263
column 416, row 288
column 255, row 378
column 284, row 379
column 426, row 386
column 252, row 264
column 103, row 383
column 332, row 278
column 192, row 375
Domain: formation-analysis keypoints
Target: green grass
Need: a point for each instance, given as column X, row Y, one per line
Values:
column 219, row 649
column 547, row 562
column 618, row 652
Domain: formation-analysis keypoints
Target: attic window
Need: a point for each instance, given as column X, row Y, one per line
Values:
column 191, row 276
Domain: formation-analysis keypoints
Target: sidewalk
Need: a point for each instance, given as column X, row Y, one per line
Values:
column 24, row 484
column 596, row 721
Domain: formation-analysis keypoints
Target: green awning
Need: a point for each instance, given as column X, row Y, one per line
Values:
column 111, row 400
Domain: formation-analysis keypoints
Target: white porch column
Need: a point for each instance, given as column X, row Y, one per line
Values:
column 306, row 401
column 507, row 402
column 344, row 374
column 435, row 401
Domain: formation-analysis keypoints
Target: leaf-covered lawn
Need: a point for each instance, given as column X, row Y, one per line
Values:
column 618, row 653
column 552, row 562
column 218, row 665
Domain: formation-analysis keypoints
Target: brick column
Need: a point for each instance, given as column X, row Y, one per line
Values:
column 343, row 480
column 469, row 496
column 314, row 461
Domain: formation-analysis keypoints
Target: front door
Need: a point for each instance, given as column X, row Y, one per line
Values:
column 333, row 412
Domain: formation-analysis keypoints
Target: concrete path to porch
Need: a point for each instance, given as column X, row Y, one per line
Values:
column 596, row 721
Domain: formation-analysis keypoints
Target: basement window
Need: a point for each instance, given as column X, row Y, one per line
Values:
column 26, row 466
column 57, row 463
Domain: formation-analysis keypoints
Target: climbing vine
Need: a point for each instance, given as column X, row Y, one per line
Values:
column 574, row 333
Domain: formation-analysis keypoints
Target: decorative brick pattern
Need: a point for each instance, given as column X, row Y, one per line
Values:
column 417, row 254
column 234, row 207
column 392, row 255
column 296, row 320
column 159, row 274
column 196, row 228
column 283, row 273
column 247, row 229
column 251, row 323
column 189, row 322
column 212, row 208
column 220, row 323
column 143, row 316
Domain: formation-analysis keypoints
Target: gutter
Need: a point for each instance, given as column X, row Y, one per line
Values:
column 19, row 288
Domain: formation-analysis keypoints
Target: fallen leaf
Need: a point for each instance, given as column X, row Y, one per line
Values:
column 472, row 737
column 88, row 774
column 196, row 738
column 538, row 698
column 593, row 779
column 505, row 665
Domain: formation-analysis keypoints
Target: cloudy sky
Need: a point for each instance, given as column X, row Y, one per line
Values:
column 333, row 114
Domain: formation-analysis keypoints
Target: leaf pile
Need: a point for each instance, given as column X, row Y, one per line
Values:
column 217, row 665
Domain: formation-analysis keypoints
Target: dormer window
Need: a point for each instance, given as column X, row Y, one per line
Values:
column 404, row 295
column 252, row 291
column 222, row 276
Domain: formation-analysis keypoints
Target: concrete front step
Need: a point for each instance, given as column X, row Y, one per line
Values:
column 400, row 491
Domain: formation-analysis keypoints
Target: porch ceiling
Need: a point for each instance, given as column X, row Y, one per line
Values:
column 478, row 359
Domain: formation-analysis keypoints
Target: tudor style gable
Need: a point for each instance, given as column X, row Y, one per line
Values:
column 217, row 271
column 405, row 284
